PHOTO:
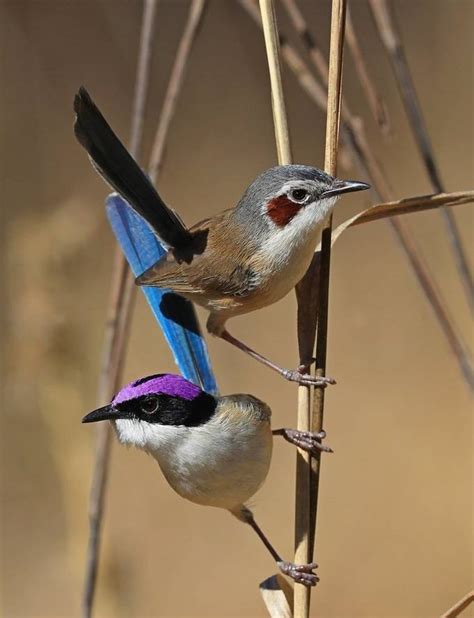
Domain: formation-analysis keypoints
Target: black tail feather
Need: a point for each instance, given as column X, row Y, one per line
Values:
column 120, row 170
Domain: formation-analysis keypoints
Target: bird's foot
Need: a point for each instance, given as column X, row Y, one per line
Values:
column 309, row 441
column 294, row 375
column 301, row 573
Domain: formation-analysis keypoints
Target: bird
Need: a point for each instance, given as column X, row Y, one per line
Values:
column 212, row 450
column 238, row 261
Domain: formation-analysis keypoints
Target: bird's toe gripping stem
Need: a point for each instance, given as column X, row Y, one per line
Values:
column 294, row 375
column 300, row 573
column 309, row 441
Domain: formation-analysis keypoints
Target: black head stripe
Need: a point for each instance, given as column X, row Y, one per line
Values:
column 171, row 410
column 147, row 379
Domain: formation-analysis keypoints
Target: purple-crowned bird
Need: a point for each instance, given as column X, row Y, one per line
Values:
column 214, row 451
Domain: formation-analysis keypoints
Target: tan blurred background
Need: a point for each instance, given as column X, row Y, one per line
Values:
column 395, row 523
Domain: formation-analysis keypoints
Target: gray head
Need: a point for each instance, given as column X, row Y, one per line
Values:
column 281, row 195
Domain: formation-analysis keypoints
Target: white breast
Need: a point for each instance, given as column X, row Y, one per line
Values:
column 291, row 248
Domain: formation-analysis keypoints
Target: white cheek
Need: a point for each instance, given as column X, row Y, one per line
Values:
column 130, row 432
column 317, row 214
column 151, row 437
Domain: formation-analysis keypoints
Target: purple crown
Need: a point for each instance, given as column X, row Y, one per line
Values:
column 162, row 384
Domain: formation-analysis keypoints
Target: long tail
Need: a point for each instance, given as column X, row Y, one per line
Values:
column 175, row 315
column 114, row 163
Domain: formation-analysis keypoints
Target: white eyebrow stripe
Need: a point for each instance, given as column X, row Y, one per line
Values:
column 296, row 184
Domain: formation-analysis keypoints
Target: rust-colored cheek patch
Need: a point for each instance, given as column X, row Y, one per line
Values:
column 281, row 210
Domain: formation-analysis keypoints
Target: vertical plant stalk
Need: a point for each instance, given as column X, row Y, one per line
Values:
column 178, row 72
column 117, row 327
column 338, row 15
column 272, row 46
column 270, row 31
column 123, row 289
column 354, row 137
column 375, row 100
column 391, row 39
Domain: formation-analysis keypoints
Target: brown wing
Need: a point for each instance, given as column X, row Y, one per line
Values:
column 217, row 268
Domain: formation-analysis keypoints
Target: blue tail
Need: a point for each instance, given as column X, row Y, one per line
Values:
column 175, row 315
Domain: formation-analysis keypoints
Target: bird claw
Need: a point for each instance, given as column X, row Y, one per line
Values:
column 293, row 375
column 309, row 441
column 300, row 573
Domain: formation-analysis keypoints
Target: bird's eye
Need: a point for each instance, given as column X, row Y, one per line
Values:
column 299, row 195
column 150, row 405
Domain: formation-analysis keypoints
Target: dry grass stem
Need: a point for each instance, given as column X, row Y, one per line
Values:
column 270, row 33
column 123, row 289
column 117, row 328
column 338, row 15
column 282, row 139
column 308, row 39
column 353, row 136
column 309, row 83
column 460, row 606
column 175, row 83
column 142, row 79
column 392, row 41
column 277, row 595
column 374, row 98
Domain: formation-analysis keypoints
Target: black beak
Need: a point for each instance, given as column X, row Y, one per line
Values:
column 107, row 413
column 345, row 186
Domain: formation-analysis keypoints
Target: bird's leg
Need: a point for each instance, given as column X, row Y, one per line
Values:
column 301, row 573
column 294, row 375
column 309, row 441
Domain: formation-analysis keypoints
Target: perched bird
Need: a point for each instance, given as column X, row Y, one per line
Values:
column 238, row 261
column 213, row 451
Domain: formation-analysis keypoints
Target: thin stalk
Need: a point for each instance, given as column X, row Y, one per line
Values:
column 336, row 48
column 270, row 30
column 374, row 98
column 392, row 41
column 117, row 327
column 460, row 606
column 353, row 136
column 123, row 288
column 307, row 38
column 272, row 46
column 175, row 83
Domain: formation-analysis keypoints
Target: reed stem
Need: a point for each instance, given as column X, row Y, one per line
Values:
column 338, row 15
column 270, row 33
column 390, row 36
column 117, row 328
column 123, row 289
column 460, row 606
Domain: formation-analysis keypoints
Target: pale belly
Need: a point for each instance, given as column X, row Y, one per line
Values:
column 220, row 469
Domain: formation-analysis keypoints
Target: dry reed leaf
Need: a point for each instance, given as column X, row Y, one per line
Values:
column 460, row 606
column 403, row 207
column 277, row 594
column 308, row 287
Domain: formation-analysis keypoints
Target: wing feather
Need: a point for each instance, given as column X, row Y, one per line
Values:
column 217, row 269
